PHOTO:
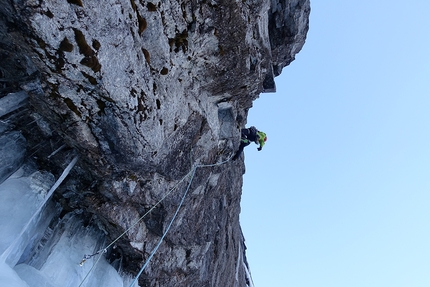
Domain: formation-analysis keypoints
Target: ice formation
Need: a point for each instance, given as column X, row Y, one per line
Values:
column 39, row 249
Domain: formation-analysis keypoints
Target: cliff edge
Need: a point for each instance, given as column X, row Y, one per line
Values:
column 143, row 92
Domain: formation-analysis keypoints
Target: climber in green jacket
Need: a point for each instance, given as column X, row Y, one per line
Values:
column 249, row 135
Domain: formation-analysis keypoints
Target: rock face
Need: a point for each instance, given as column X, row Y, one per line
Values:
column 142, row 92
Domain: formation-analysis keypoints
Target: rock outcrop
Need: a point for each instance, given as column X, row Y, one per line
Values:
column 143, row 91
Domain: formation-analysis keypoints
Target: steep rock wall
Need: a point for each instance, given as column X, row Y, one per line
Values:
column 142, row 91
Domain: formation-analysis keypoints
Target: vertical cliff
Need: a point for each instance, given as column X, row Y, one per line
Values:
column 142, row 92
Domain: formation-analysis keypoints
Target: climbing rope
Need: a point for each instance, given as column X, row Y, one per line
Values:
column 104, row 250
column 92, row 255
column 190, row 174
column 167, row 229
column 135, row 223
column 94, row 265
column 193, row 171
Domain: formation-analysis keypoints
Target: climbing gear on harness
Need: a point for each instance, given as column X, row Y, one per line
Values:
column 86, row 257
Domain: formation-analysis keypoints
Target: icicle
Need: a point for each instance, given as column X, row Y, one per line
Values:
column 60, row 180
column 248, row 276
column 12, row 102
column 57, row 150
column 238, row 262
column 15, row 243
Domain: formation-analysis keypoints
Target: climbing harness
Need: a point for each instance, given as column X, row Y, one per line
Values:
column 190, row 174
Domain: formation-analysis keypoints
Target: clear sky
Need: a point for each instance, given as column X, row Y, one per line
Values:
column 340, row 194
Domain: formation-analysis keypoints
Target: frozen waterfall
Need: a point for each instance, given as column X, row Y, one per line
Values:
column 37, row 247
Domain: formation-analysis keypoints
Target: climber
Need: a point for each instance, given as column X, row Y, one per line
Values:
column 250, row 135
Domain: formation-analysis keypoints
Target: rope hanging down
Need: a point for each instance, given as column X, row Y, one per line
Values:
column 193, row 171
column 167, row 230
column 104, row 250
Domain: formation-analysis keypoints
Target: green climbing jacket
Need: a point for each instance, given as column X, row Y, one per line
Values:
column 261, row 138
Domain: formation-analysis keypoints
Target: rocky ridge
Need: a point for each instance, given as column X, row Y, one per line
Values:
column 142, row 92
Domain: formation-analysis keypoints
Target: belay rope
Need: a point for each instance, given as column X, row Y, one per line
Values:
column 190, row 174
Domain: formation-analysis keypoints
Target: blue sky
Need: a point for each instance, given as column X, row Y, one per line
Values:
column 340, row 194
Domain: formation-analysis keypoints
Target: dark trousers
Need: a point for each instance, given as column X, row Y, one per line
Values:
column 246, row 137
column 249, row 134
